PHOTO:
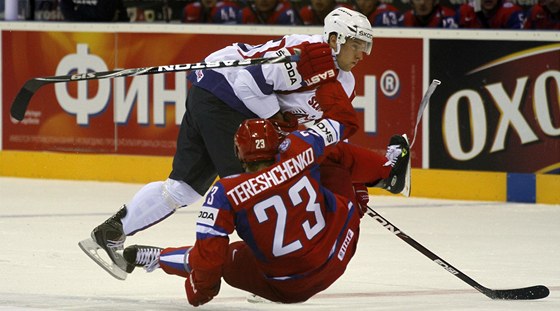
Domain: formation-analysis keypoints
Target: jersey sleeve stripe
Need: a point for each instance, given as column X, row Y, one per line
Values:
column 203, row 232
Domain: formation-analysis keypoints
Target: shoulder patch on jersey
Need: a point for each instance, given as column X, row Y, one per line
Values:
column 207, row 215
column 284, row 145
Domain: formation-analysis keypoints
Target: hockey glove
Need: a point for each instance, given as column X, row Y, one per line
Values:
column 362, row 198
column 316, row 63
column 200, row 292
column 285, row 123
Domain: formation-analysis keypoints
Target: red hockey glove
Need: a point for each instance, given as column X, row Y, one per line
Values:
column 200, row 292
column 362, row 198
column 316, row 64
column 285, row 123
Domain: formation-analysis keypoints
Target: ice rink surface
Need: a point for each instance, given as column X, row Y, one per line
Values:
column 499, row 245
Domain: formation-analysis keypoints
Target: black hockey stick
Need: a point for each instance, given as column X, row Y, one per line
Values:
column 525, row 293
column 21, row 101
column 533, row 292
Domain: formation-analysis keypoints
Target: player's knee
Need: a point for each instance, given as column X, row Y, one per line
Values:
column 178, row 193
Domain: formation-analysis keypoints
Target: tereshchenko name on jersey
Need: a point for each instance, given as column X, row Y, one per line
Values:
column 277, row 175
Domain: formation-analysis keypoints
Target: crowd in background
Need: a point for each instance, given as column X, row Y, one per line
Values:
column 493, row 14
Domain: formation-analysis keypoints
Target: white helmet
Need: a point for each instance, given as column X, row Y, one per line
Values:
column 347, row 23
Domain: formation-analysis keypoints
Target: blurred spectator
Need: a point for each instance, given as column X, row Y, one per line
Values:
column 429, row 13
column 317, row 10
column 379, row 14
column 48, row 10
column 270, row 12
column 211, row 11
column 544, row 15
column 495, row 14
column 94, row 10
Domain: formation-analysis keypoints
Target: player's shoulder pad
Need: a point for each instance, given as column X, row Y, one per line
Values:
column 327, row 129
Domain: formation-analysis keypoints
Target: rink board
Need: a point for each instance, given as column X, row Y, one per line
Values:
column 429, row 183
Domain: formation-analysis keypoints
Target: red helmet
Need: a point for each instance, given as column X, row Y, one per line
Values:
column 256, row 140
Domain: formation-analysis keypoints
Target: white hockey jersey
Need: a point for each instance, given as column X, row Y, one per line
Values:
column 263, row 90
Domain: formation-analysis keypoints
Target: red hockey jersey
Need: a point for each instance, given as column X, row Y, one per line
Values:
column 291, row 222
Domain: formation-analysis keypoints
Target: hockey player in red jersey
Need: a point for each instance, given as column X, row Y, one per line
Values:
column 211, row 11
column 379, row 14
column 494, row 14
column 315, row 12
column 430, row 14
column 298, row 235
column 543, row 15
column 269, row 12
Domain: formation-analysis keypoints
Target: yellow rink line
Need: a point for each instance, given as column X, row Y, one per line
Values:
column 101, row 167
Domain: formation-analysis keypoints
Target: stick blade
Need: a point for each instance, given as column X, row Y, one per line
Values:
column 526, row 293
column 23, row 97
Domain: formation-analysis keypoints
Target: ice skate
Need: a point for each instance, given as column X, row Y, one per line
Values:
column 142, row 256
column 110, row 237
column 398, row 157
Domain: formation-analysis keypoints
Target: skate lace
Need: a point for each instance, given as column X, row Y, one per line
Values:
column 392, row 155
column 117, row 245
column 149, row 258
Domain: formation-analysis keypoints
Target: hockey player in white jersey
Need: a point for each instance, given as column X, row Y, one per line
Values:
column 220, row 99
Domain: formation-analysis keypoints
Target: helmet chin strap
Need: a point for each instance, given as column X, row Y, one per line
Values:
column 338, row 46
column 339, row 42
column 337, row 50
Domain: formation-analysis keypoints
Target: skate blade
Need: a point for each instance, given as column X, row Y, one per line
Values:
column 90, row 248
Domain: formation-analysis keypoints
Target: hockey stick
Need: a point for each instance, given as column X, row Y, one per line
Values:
column 533, row 292
column 525, row 293
column 423, row 104
column 22, row 99
column 425, row 100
